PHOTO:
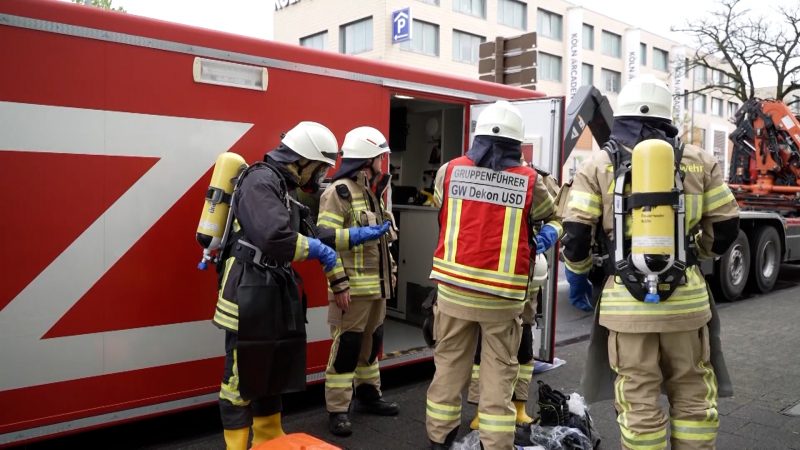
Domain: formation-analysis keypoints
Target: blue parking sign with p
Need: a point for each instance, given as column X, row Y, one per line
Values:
column 401, row 25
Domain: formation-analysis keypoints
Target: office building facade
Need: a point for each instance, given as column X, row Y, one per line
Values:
column 576, row 46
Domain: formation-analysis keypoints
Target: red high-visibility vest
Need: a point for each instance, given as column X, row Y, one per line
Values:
column 484, row 233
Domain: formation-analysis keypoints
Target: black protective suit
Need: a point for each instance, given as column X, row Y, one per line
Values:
column 260, row 304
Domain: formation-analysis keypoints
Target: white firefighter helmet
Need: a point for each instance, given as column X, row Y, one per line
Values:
column 539, row 271
column 364, row 143
column 500, row 119
column 645, row 96
column 312, row 141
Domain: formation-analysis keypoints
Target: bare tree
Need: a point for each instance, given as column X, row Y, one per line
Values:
column 733, row 42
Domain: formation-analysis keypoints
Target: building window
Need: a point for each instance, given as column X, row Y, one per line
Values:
column 316, row 41
column 475, row 8
column 611, row 80
column 465, row 46
column 660, row 59
column 732, row 108
column 356, row 37
column 717, row 77
column 716, row 106
column 512, row 13
column 588, row 37
column 699, row 137
column 587, row 74
column 699, row 103
column 642, row 53
column 430, row 2
column 548, row 67
column 719, row 146
column 726, row 80
column 700, row 76
column 424, row 39
column 611, row 44
column 548, row 24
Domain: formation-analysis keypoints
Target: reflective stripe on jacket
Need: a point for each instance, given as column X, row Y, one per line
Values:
column 485, row 230
column 368, row 267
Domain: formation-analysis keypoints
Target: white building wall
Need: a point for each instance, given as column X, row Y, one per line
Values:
column 308, row 17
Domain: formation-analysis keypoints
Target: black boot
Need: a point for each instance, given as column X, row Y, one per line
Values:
column 339, row 424
column 522, row 435
column 448, row 441
column 368, row 400
column 379, row 407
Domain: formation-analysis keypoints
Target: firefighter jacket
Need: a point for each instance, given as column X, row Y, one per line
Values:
column 554, row 190
column 367, row 269
column 266, row 219
column 259, row 296
column 711, row 220
column 482, row 260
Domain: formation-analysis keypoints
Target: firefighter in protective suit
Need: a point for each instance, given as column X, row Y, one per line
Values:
column 665, row 337
column 549, row 231
column 482, row 262
column 361, row 282
column 259, row 304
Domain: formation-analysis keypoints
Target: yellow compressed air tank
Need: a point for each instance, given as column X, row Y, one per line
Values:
column 215, row 210
column 653, row 227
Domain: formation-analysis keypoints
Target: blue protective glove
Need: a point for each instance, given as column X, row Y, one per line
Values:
column 546, row 238
column 319, row 251
column 359, row 235
column 580, row 290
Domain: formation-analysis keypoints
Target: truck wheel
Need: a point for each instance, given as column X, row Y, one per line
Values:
column 730, row 272
column 766, row 259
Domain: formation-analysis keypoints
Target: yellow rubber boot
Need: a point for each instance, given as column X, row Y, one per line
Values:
column 266, row 428
column 475, row 424
column 236, row 439
column 522, row 416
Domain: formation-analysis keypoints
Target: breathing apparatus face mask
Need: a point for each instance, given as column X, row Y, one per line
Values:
column 379, row 180
column 311, row 175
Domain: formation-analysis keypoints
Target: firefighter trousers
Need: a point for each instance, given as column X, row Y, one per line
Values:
column 455, row 345
column 235, row 411
column 357, row 340
column 524, row 356
column 680, row 362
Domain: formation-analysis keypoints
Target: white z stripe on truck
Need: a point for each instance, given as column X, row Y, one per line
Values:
column 186, row 149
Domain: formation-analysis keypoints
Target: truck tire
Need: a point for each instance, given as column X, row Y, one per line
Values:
column 731, row 270
column 766, row 259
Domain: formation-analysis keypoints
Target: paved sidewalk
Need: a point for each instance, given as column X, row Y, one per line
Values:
column 760, row 338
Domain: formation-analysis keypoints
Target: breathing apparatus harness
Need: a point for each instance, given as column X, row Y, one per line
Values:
column 619, row 262
column 234, row 243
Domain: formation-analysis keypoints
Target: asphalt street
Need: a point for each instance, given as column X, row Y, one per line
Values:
column 760, row 338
